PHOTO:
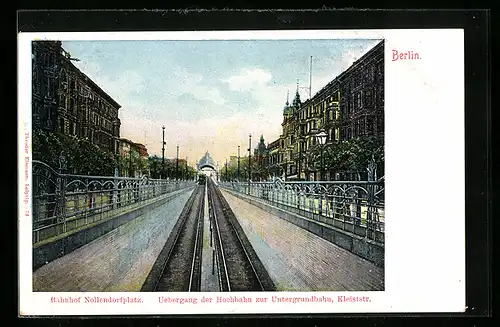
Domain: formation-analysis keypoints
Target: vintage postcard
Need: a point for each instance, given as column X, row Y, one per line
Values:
column 241, row 172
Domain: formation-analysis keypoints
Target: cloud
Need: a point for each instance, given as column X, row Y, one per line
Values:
column 182, row 81
column 178, row 95
column 131, row 82
column 121, row 87
column 202, row 111
column 349, row 57
column 248, row 79
column 208, row 93
column 220, row 135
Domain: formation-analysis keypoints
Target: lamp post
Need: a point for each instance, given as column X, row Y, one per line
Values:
column 186, row 173
column 196, row 171
column 162, row 175
column 286, row 169
column 321, row 139
column 249, row 160
column 238, row 163
column 177, row 164
column 301, row 145
column 226, row 171
column 130, row 162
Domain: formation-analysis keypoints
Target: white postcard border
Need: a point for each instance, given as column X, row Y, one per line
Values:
column 425, row 183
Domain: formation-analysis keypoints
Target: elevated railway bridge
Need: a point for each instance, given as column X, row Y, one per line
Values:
column 100, row 233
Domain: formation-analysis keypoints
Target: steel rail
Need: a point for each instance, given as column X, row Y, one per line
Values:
column 216, row 224
column 197, row 243
column 242, row 245
column 171, row 250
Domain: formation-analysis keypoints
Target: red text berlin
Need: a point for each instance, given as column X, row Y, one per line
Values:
column 408, row 55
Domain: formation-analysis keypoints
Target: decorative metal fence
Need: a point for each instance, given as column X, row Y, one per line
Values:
column 354, row 206
column 64, row 202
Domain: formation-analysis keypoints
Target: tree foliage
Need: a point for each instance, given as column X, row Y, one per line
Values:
column 260, row 169
column 354, row 155
column 155, row 167
column 82, row 157
column 132, row 163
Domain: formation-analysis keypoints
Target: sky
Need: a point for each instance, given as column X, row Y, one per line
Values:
column 209, row 95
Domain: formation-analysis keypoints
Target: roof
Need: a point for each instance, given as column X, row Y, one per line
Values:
column 89, row 81
column 356, row 64
column 124, row 140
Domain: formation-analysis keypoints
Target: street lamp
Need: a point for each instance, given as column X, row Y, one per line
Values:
column 249, row 161
column 226, row 172
column 163, row 154
column 130, row 162
column 321, row 136
column 177, row 164
column 238, row 163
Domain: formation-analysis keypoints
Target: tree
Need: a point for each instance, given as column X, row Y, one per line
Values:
column 133, row 163
column 354, row 155
column 155, row 167
column 154, row 163
column 82, row 157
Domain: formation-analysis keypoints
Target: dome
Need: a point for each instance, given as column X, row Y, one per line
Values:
column 296, row 100
column 286, row 108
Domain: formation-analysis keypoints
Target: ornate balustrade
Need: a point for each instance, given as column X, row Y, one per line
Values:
column 345, row 204
column 64, row 202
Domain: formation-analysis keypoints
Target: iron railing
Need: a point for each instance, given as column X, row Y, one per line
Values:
column 65, row 202
column 354, row 206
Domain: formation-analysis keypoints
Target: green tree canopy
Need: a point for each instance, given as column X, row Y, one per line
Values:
column 354, row 155
column 82, row 157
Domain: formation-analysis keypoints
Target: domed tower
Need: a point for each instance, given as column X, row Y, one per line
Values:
column 296, row 101
column 286, row 108
column 261, row 147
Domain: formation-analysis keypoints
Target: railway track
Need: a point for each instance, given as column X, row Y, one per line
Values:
column 239, row 268
column 178, row 267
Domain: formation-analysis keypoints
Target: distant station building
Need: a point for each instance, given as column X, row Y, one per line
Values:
column 68, row 101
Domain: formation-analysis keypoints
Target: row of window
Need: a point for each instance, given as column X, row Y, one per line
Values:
column 368, row 75
column 85, row 92
column 370, row 125
column 359, row 100
column 72, row 128
column 362, row 99
column 43, row 85
column 88, row 115
column 371, row 74
column 45, row 58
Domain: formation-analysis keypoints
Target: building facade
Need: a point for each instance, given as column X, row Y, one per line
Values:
column 273, row 153
column 143, row 151
column 350, row 106
column 139, row 168
column 45, row 74
column 67, row 101
column 125, row 146
column 260, row 159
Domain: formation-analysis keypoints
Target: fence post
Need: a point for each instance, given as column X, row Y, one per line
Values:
column 345, row 206
column 320, row 202
column 334, row 204
column 62, row 188
column 358, row 207
column 372, row 174
column 115, row 190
